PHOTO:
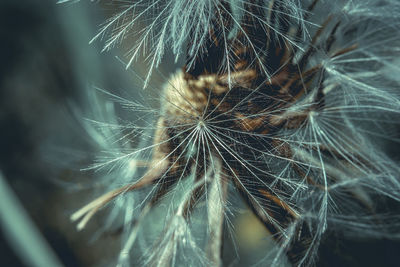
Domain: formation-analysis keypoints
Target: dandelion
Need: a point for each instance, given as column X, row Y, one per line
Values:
column 288, row 104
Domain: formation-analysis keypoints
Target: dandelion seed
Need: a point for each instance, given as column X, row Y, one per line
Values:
column 283, row 102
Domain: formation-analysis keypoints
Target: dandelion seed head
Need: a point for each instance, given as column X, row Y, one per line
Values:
column 286, row 104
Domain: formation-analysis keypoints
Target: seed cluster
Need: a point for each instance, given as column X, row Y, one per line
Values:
column 262, row 111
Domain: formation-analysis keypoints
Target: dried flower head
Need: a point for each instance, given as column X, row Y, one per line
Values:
column 286, row 103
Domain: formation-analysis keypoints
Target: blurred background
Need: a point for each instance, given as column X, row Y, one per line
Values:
column 46, row 63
